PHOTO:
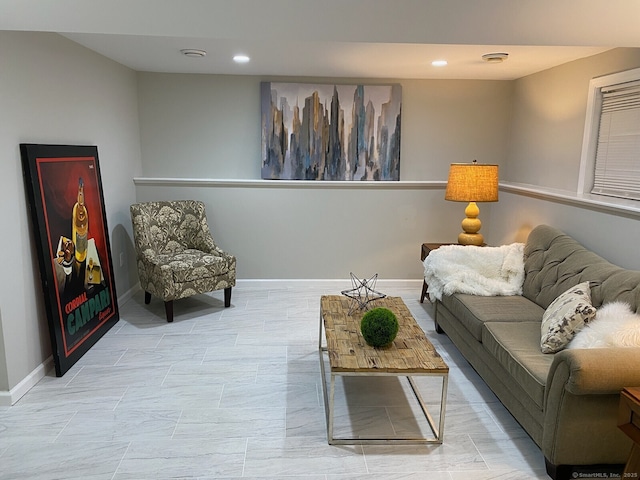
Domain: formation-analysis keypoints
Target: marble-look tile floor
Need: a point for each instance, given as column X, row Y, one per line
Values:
column 236, row 393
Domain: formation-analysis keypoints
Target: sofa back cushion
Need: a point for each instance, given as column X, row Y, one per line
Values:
column 554, row 262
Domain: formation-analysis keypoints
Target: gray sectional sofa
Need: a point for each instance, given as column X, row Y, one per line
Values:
column 568, row 401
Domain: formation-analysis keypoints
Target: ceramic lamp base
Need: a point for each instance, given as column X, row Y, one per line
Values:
column 471, row 226
column 471, row 239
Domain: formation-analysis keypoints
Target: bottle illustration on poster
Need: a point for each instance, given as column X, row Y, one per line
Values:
column 83, row 273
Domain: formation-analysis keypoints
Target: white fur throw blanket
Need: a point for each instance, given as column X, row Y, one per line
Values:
column 482, row 271
column 615, row 325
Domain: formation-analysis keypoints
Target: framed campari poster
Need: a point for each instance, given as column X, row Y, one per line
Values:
column 72, row 244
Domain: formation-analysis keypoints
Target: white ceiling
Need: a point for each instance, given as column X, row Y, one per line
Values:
column 337, row 38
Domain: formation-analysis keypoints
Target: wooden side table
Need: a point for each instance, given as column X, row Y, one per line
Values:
column 629, row 423
column 427, row 248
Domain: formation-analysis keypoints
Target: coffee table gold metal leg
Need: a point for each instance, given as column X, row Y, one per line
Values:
column 438, row 432
column 443, row 406
column 331, row 409
column 329, row 402
column 321, row 351
column 320, row 336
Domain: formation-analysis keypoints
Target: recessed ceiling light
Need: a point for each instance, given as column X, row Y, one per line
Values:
column 439, row 63
column 193, row 53
column 495, row 57
column 241, row 59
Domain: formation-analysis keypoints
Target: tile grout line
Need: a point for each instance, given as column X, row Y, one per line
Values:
column 244, row 460
column 115, row 472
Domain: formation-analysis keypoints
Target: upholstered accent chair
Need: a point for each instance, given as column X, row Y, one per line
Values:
column 176, row 254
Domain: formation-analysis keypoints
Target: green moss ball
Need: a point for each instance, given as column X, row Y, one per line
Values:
column 379, row 327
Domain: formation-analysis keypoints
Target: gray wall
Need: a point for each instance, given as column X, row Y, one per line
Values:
column 208, row 126
column 54, row 91
column 549, row 111
column 612, row 236
column 203, row 126
column 292, row 232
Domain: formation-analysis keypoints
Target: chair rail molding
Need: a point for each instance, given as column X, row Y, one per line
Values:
column 241, row 183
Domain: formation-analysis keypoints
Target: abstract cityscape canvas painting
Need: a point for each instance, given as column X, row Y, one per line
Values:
column 330, row 132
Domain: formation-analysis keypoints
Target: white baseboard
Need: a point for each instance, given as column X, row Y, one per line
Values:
column 122, row 299
column 249, row 282
column 11, row 397
column 278, row 282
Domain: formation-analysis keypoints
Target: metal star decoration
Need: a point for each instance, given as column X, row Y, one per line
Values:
column 362, row 293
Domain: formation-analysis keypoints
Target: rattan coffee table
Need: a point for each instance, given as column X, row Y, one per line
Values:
column 411, row 354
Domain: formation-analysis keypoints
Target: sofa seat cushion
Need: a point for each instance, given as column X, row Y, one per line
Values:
column 192, row 265
column 473, row 311
column 516, row 345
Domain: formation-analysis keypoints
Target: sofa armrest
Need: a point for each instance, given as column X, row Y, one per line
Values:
column 596, row 370
column 581, row 404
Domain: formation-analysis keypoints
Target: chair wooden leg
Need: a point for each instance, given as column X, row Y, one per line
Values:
column 168, row 308
column 227, row 297
column 147, row 298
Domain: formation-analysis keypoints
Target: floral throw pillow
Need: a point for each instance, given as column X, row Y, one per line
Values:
column 566, row 315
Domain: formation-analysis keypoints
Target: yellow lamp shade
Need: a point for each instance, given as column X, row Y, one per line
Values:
column 472, row 182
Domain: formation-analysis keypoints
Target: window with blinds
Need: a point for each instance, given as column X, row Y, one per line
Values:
column 617, row 159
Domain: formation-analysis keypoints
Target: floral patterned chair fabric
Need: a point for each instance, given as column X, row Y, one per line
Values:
column 176, row 254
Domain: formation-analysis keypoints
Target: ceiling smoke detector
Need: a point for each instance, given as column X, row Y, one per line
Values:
column 193, row 53
column 495, row 57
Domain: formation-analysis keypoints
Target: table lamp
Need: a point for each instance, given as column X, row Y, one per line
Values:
column 472, row 182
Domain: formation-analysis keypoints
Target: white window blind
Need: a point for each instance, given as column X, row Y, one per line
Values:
column 617, row 163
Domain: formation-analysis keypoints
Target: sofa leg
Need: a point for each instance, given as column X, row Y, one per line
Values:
column 227, row 297
column 554, row 470
column 424, row 291
column 168, row 308
column 435, row 319
column 147, row 298
column 569, row 472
